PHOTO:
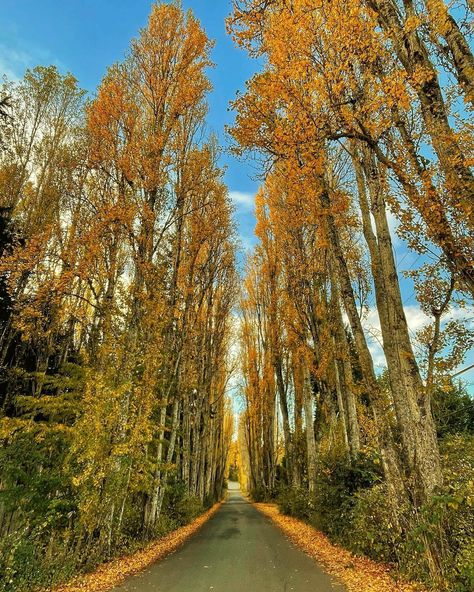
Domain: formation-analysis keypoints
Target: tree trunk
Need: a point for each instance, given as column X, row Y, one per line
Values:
column 343, row 367
column 391, row 464
column 414, row 57
column 462, row 59
column 412, row 404
column 310, row 435
column 282, row 395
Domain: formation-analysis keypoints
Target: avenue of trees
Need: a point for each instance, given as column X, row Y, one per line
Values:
column 361, row 112
column 122, row 309
column 117, row 280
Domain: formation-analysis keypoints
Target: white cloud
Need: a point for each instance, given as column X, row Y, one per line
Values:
column 243, row 200
column 376, row 352
column 393, row 224
column 371, row 324
column 247, row 242
column 14, row 60
column 416, row 320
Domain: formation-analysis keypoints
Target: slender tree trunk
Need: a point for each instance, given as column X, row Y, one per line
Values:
column 282, row 395
column 340, row 401
column 391, row 464
column 169, row 459
column 310, row 435
column 412, row 402
column 414, row 57
column 343, row 367
column 462, row 59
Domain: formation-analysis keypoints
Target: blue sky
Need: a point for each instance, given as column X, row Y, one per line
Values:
column 86, row 36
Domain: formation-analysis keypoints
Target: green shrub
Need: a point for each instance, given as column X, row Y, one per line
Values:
column 179, row 506
column 439, row 533
column 262, row 494
column 28, row 561
column 188, row 509
column 351, row 505
column 339, row 480
column 43, row 555
column 464, row 567
column 453, row 411
column 458, row 467
column 296, row 501
column 370, row 527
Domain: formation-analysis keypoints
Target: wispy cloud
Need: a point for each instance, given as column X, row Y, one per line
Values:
column 416, row 320
column 243, row 201
column 14, row 61
column 247, row 242
column 393, row 225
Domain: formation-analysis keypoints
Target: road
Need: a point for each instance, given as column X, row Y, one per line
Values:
column 237, row 550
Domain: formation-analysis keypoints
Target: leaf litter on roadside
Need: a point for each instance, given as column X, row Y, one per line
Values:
column 357, row 574
column 111, row 574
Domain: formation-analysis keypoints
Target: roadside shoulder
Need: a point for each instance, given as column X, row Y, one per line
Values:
column 111, row 574
column 357, row 574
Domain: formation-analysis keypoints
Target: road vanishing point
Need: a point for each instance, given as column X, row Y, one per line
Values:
column 237, row 550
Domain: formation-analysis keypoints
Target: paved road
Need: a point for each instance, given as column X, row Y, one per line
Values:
column 237, row 550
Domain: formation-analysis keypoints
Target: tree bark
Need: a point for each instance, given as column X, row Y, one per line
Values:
column 310, row 435
column 412, row 404
column 414, row 57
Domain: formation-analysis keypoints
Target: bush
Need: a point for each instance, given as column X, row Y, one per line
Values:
column 43, row 555
column 458, row 467
column 351, row 506
column 187, row 510
column 178, row 506
column 339, row 480
column 445, row 524
column 370, row 529
column 28, row 561
column 296, row 501
column 453, row 411
column 329, row 509
column 262, row 494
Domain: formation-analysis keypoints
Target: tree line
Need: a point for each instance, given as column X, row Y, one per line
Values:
column 360, row 110
column 117, row 281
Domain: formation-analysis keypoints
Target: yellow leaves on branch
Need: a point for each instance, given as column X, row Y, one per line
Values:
column 358, row 574
column 420, row 76
column 140, row 103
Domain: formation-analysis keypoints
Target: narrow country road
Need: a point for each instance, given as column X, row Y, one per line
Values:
column 238, row 550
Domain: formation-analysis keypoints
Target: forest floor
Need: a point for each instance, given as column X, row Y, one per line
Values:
column 112, row 574
column 358, row 574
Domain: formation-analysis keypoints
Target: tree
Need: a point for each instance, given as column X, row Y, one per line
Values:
column 351, row 121
column 118, row 271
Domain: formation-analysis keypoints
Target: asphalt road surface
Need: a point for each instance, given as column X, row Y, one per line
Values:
column 237, row 550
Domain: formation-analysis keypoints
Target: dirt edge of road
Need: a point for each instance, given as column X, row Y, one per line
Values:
column 357, row 574
column 113, row 573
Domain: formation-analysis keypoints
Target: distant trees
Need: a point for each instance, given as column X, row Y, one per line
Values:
column 352, row 121
column 118, row 280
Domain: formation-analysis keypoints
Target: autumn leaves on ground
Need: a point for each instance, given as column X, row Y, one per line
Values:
column 126, row 323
